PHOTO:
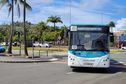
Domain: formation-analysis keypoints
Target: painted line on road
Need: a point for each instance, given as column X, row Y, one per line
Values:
column 70, row 73
column 59, row 62
column 121, row 62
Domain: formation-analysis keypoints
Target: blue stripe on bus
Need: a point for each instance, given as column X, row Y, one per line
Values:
column 89, row 54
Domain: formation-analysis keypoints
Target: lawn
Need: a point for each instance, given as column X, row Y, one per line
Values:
column 63, row 49
column 55, row 48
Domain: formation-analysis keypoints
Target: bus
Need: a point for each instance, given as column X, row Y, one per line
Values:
column 89, row 46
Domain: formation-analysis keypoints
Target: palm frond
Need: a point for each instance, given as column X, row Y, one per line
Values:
column 18, row 10
column 15, row 1
column 28, row 7
column 3, row 2
column 9, row 9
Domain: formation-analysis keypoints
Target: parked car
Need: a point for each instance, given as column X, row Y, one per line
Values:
column 16, row 44
column 4, row 43
column 2, row 49
column 123, row 47
column 47, row 45
column 36, row 44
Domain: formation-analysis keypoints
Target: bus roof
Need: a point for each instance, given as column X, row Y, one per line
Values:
column 90, row 25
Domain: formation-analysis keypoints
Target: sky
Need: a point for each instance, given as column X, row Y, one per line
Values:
column 76, row 12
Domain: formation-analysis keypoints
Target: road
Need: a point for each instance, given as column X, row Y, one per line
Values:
column 59, row 73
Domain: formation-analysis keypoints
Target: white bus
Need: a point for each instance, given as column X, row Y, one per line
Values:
column 89, row 46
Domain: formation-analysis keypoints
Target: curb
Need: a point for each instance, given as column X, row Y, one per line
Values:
column 32, row 61
column 23, row 61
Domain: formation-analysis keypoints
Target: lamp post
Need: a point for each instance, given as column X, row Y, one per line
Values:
column 19, row 40
column 32, row 47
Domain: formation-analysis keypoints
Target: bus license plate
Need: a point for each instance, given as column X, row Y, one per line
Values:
column 89, row 64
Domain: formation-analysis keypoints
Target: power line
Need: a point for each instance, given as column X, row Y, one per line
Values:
column 99, row 12
column 70, row 3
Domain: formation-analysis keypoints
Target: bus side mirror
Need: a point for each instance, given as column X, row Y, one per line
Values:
column 111, row 37
column 66, row 34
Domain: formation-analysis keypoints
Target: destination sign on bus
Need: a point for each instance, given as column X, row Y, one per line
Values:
column 88, row 29
column 100, row 29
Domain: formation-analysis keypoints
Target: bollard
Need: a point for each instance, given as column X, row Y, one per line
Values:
column 32, row 52
column 39, row 53
column 47, row 53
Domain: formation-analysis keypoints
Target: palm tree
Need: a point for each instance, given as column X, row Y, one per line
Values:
column 39, row 29
column 26, row 5
column 11, row 8
column 111, row 25
column 12, row 28
column 54, row 20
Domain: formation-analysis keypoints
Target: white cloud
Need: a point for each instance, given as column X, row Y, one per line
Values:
column 93, row 4
column 82, row 11
column 39, row 2
column 121, row 25
column 4, row 16
column 79, row 14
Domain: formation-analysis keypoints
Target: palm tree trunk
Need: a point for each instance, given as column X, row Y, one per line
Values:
column 25, row 33
column 55, row 31
column 54, row 25
column 12, row 28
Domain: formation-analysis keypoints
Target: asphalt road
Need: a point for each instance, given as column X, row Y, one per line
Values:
column 59, row 73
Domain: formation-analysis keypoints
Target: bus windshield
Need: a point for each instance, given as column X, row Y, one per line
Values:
column 88, row 41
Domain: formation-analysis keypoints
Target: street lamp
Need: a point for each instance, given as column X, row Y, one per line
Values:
column 19, row 40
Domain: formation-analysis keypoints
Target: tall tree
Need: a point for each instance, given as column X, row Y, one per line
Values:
column 12, row 28
column 111, row 25
column 26, row 5
column 10, row 5
column 39, row 29
column 54, row 20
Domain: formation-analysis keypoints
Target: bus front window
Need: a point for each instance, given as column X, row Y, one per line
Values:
column 88, row 41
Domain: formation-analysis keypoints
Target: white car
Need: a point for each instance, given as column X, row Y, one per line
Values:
column 45, row 45
column 123, row 47
column 36, row 44
column 3, row 43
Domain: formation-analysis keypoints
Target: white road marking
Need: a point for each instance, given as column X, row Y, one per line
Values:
column 53, row 59
column 69, row 73
column 122, row 62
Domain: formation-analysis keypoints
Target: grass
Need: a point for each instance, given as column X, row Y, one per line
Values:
column 62, row 49
column 55, row 48
column 116, row 51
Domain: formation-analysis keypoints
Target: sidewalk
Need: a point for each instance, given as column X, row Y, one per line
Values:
column 20, row 59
